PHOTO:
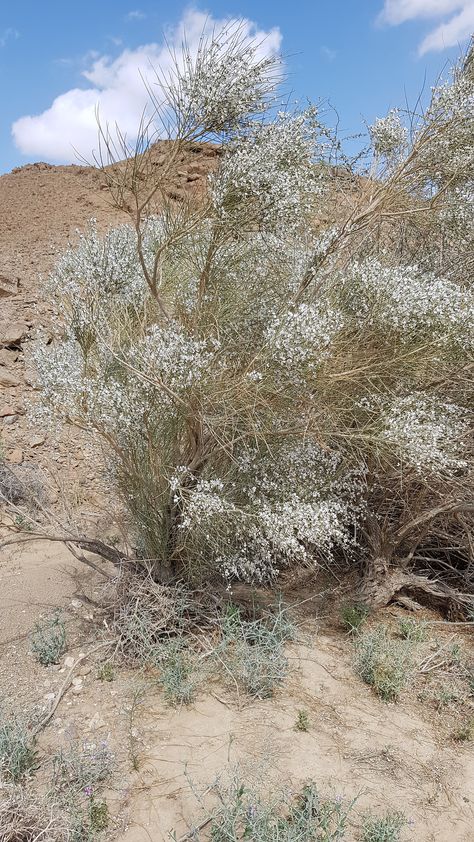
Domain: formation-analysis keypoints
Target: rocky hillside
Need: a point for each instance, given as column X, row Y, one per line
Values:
column 42, row 208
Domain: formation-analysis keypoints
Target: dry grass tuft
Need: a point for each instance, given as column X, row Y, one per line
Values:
column 24, row 817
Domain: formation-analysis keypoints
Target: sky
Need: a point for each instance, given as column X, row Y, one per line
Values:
column 59, row 61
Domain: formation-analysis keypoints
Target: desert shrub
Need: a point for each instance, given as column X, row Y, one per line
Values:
column 384, row 663
column 26, row 817
column 48, row 640
column 353, row 616
column 18, row 756
column 385, row 829
column 272, row 390
column 244, row 814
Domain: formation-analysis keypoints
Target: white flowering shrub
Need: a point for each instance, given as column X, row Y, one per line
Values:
column 388, row 135
column 274, row 390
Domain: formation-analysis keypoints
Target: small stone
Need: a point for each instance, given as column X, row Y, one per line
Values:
column 7, row 410
column 15, row 456
column 69, row 662
column 8, row 380
column 77, row 682
column 77, row 689
column 85, row 670
column 96, row 723
column 7, row 357
column 36, row 441
column 10, row 419
column 75, row 603
column 49, row 697
column 8, row 286
column 11, row 333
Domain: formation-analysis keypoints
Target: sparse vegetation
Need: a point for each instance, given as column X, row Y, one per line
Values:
column 302, row 721
column 18, row 756
column 180, row 675
column 252, row 651
column 413, row 630
column 353, row 616
column 386, row 829
column 244, row 814
column 48, row 640
column 106, row 671
column 27, row 817
column 465, row 732
column 384, row 663
column 82, row 766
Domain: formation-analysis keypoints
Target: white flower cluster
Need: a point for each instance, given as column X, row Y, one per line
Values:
column 428, row 434
column 414, row 304
column 448, row 149
column 303, row 337
column 60, row 373
column 100, row 266
column 281, row 508
column 203, row 505
column 170, row 354
column 271, row 165
column 388, row 135
column 226, row 81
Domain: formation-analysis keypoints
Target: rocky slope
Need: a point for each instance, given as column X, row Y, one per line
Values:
column 42, row 208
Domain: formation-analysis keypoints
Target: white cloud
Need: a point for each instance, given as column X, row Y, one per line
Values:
column 136, row 14
column 9, row 34
column 456, row 20
column 117, row 92
column 328, row 54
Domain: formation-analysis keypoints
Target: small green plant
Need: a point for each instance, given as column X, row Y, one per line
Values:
column 353, row 616
column 18, row 755
column 48, row 641
column 252, row 651
column 179, row 673
column 98, row 814
column 413, row 630
column 383, row 663
column 106, row 671
column 386, row 829
column 465, row 732
column 81, row 767
column 23, row 523
column 302, row 721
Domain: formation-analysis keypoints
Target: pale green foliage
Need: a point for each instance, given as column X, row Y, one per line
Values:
column 48, row 640
column 18, row 756
column 414, row 630
column 385, row 664
column 386, row 829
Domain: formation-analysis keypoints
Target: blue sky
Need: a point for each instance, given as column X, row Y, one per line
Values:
column 364, row 55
